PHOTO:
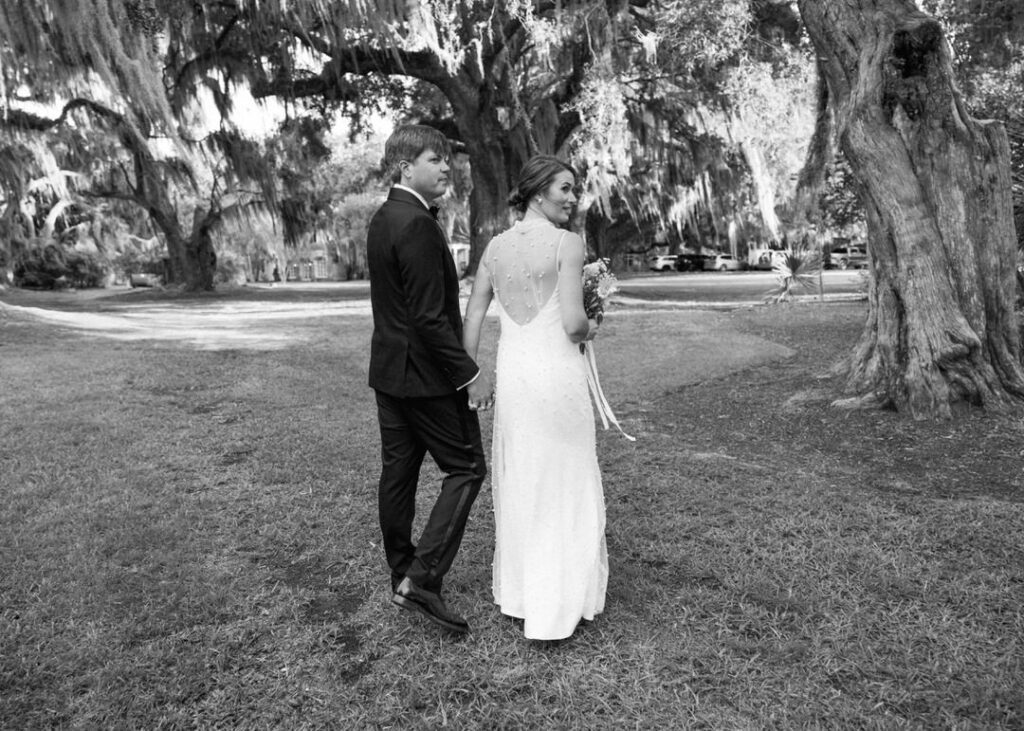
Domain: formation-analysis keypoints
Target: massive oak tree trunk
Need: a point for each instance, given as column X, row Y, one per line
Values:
column 488, row 201
column 198, row 255
column 935, row 184
column 192, row 260
column 492, row 159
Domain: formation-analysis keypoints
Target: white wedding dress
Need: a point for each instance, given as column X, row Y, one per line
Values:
column 550, row 559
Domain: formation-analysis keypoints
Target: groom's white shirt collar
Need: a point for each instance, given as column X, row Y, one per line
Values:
column 407, row 189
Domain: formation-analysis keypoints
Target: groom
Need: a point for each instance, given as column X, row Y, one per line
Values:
column 428, row 389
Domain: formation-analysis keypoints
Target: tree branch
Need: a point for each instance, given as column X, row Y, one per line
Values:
column 22, row 119
column 819, row 154
column 570, row 88
column 111, row 193
column 208, row 58
column 330, row 82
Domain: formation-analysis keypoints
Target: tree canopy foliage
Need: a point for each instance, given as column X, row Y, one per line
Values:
column 635, row 92
column 675, row 112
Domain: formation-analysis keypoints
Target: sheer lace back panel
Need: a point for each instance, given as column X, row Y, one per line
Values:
column 523, row 264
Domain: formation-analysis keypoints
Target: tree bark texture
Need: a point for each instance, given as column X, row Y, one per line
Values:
column 192, row 258
column 488, row 200
column 935, row 184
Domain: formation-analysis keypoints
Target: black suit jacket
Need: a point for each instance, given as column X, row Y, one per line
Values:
column 416, row 349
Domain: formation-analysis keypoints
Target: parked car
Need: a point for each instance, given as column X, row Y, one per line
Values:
column 143, row 279
column 764, row 258
column 723, row 263
column 690, row 262
column 847, row 256
column 664, row 263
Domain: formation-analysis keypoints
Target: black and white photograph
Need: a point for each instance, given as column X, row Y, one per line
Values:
column 503, row 364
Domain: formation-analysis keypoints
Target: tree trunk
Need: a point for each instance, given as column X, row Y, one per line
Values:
column 488, row 201
column 764, row 187
column 935, row 185
column 200, row 255
column 192, row 258
column 595, row 226
column 12, row 238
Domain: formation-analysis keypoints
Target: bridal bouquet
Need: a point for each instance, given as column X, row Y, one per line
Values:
column 598, row 285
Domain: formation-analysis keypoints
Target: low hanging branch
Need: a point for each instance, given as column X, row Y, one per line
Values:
column 190, row 256
column 20, row 119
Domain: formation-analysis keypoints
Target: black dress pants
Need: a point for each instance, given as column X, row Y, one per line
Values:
column 449, row 431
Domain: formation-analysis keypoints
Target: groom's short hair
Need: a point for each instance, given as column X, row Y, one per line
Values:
column 408, row 142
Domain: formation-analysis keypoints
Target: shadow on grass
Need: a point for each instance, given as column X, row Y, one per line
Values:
column 190, row 540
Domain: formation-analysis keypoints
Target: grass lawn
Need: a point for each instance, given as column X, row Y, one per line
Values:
column 188, row 538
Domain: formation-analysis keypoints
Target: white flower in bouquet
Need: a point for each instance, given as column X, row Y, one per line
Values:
column 599, row 284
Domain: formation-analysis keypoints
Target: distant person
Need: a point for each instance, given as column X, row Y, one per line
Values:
column 550, row 557
column 427, row 387
column 277, row 274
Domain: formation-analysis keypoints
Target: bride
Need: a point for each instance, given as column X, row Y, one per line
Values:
column 550, row 558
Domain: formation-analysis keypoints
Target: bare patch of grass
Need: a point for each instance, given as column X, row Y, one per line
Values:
column 189, row 539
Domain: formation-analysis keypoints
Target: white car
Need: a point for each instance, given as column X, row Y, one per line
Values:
column 665, row 263
column 143, row 279
column 723, row 263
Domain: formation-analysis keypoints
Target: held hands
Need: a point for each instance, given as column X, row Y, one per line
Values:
column 481, row 392
column 593, row 325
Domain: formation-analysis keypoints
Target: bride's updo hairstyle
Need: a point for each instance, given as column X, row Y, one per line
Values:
column 535, row 177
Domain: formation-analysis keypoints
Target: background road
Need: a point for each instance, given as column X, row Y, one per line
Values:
column 266, row 317
column 749, row 286
column 707, row 289
column 697, row 287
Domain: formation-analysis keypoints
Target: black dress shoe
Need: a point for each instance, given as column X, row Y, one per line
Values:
column 396, row 581
column 430, row 605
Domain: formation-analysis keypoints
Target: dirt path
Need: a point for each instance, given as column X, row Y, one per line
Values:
column 669, row 347
column 258, row 325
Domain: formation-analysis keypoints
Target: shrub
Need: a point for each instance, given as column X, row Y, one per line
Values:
column 86, row 269
column 138, row 260
column 53, row 266
column 230, row 268
column 352, row 217
column 800, row 265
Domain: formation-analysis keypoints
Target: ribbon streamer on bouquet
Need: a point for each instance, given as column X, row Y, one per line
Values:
column 603, row 407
